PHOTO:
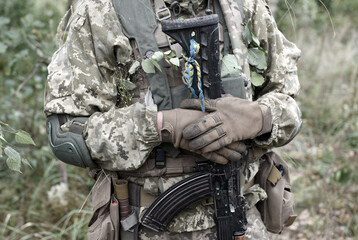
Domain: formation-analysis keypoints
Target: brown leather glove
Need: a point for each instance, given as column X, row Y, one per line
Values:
column 230, row 120
column 232, row 152
column 172, row 123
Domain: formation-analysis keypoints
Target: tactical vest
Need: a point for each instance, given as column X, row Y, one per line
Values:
column 144, row 30
column 166, row 88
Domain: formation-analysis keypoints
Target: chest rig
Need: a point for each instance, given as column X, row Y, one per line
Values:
column 141, row 23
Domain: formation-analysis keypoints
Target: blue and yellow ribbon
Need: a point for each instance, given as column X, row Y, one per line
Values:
column 190, row 63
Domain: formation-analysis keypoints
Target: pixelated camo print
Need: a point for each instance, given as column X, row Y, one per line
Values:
column 121, row 139
column 81, row 83
column 281, row 83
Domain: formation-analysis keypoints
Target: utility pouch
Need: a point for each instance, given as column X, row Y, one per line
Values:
column 235, row 86
column 104, row 224
column 277, row 211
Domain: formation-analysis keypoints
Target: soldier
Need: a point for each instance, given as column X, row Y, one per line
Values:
column 151, row 133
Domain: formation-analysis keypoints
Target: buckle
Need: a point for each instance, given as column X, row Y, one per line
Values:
column 160, row 158
column 163, row 14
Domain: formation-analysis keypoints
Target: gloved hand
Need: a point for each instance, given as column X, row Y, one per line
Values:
column 232, row 152
column 171, row 124
column 230, row 120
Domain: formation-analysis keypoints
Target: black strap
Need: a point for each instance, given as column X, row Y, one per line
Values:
column 138, row 22
column 218, row 11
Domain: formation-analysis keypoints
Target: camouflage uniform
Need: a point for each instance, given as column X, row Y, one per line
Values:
column 82, row 82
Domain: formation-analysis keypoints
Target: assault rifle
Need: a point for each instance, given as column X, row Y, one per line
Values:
column 224, row 183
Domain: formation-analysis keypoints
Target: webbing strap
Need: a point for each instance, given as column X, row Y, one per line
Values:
column 129, row 222
column 138, row 22
column 219, row 12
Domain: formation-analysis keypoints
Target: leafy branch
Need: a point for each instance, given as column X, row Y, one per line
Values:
column 14, row 159
column 149, row 65
column 257, row 56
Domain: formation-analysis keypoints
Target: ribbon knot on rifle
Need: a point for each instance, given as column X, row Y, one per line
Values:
column 190, row 63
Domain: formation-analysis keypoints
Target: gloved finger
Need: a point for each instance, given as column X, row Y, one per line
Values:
column 230, row 154
column 191, row 103
column 201, row 126
column 194, row 103
column 238, row 147
column 225, row 95
column 214, row 145
column 214, row 157
column 207, row 138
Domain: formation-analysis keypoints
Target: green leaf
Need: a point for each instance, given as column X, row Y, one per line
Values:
column 24, row 161
column 129, row 85
column 156, row 64
column 13, row 164
column 3, row 47
column 23, row 137
column 175, row 61
column 14, row 159
column 255, row 40
column 134, row 67
column 148, row 66
column 229, row 66
column 4, row 21
column 246, row 34
column 249, row 37
column 1, row 135
column 170, row 54
column 157, row 56
column 12, row 153
column 257, row 79
column 257, row 57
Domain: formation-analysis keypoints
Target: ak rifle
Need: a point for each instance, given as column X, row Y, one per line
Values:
column 224, row 183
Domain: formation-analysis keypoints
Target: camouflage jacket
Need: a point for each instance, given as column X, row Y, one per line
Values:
column 82, row 82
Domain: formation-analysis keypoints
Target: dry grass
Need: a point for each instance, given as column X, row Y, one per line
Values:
column 325, row 155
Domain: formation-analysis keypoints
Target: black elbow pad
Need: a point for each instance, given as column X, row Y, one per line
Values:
column 69, row 147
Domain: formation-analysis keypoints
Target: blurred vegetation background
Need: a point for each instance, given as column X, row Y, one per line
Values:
column 50, row 200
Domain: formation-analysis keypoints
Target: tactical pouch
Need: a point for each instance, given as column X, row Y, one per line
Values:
column 277, row 211
column 235, row 86
column 104, row 224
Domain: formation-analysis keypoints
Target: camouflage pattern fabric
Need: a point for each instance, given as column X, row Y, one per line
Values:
column 82, row 82
column 122, row 146
column 281, row 81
